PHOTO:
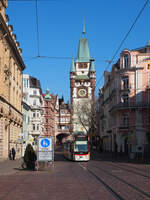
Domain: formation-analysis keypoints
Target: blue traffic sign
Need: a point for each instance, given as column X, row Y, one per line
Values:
column 45, row 143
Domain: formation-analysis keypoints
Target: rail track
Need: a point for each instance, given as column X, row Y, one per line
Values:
column 141, row 193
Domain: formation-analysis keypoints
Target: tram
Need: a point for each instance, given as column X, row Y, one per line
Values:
column 77, row 149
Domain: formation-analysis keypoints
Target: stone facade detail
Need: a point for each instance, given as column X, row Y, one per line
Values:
column 11, row 67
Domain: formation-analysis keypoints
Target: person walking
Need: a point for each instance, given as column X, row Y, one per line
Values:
column 13, row 153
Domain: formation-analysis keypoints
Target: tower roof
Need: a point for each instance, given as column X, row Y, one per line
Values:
column 72, row 66
column 83, row 54
column 92, row 68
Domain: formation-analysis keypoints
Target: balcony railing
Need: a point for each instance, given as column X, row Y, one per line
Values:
column 130, row 105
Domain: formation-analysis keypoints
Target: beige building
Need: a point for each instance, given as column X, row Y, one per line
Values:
column 11, row 67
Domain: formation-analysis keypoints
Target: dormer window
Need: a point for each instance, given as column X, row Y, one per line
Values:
column 126, row 61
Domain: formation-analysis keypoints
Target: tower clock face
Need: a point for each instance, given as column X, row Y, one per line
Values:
column 82, row 92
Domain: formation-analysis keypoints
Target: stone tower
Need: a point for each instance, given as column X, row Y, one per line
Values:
column 82, row 81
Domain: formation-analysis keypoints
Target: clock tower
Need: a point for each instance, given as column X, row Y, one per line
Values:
column 82, row 82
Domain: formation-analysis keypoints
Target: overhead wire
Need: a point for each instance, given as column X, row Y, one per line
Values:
column 125, row 37
column 37, row 28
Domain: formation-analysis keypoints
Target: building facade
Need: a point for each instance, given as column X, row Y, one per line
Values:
column 62, row 121
column 32, row 90
column 125, row 103
column 49, row 112
column 82, row 84
column 26, row 112
column 11, row 67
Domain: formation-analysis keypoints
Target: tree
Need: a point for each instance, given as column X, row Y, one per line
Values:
column 84, row 115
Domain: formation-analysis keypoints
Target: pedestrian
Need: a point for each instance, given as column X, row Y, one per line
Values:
column 10, row 156
column 13, row 153
column 30, row 157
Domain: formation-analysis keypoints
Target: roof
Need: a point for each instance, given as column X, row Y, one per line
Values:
column 83, row 54
column 144, row 49
column 92, row 68
column 72, row 66
column 34, row 83
column 82, row 77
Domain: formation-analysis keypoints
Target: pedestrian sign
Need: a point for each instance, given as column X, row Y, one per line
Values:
column 45, row 142
column 45, row 148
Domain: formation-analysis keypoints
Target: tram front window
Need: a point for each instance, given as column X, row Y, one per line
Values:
column 81, row 146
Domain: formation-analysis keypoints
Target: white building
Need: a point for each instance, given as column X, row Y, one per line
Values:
column 33, row 92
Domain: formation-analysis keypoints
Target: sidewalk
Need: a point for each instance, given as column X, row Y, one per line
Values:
column 9, row 167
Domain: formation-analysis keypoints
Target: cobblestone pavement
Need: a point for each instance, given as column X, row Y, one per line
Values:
column 102, row 178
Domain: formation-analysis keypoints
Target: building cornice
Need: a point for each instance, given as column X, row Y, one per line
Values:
column 11, row 42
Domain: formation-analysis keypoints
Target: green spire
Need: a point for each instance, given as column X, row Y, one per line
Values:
column 47, row 96
column 92, row 68
column 73, row 66
column 83, row 54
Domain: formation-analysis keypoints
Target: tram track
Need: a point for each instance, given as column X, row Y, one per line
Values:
column 129, row 170
column 108, row 187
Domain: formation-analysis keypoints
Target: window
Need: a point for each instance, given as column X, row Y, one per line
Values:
column 125, row 119
column 34, row 115
column 34, row 92
column 46, row 120
column 66, row 127
column 125, row 82
column 59, row 127
column 34, row 102
column 28, row 120
column 37, row 127
column 126, row 61
column 33, row 127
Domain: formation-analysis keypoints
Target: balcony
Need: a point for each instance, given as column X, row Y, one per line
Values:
column 125, row 88
column 129, row 105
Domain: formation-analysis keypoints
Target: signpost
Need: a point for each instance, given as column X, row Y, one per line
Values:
column 45, row 149
column 148, row 66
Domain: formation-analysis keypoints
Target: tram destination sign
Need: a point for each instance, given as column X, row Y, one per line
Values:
column 45, row 150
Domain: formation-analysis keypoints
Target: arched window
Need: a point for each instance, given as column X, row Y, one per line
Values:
column 126, row 61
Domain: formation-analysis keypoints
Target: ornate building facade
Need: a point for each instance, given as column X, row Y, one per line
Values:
column 49, row 112
column 82, row 83
column 62, row 121
column 125, row 103
column 11, row 67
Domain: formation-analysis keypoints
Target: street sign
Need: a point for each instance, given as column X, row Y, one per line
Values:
column 148, row 66
column 45, row 150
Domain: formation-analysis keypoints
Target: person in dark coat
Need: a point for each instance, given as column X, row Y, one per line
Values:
column 30, row 157
column 13, row 153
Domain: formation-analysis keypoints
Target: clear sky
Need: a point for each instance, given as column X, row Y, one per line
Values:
column 60, row 28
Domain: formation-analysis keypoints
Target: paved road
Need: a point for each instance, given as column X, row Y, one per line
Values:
column 100, row 178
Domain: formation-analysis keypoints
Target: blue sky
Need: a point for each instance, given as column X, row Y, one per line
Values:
column 60, row 28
